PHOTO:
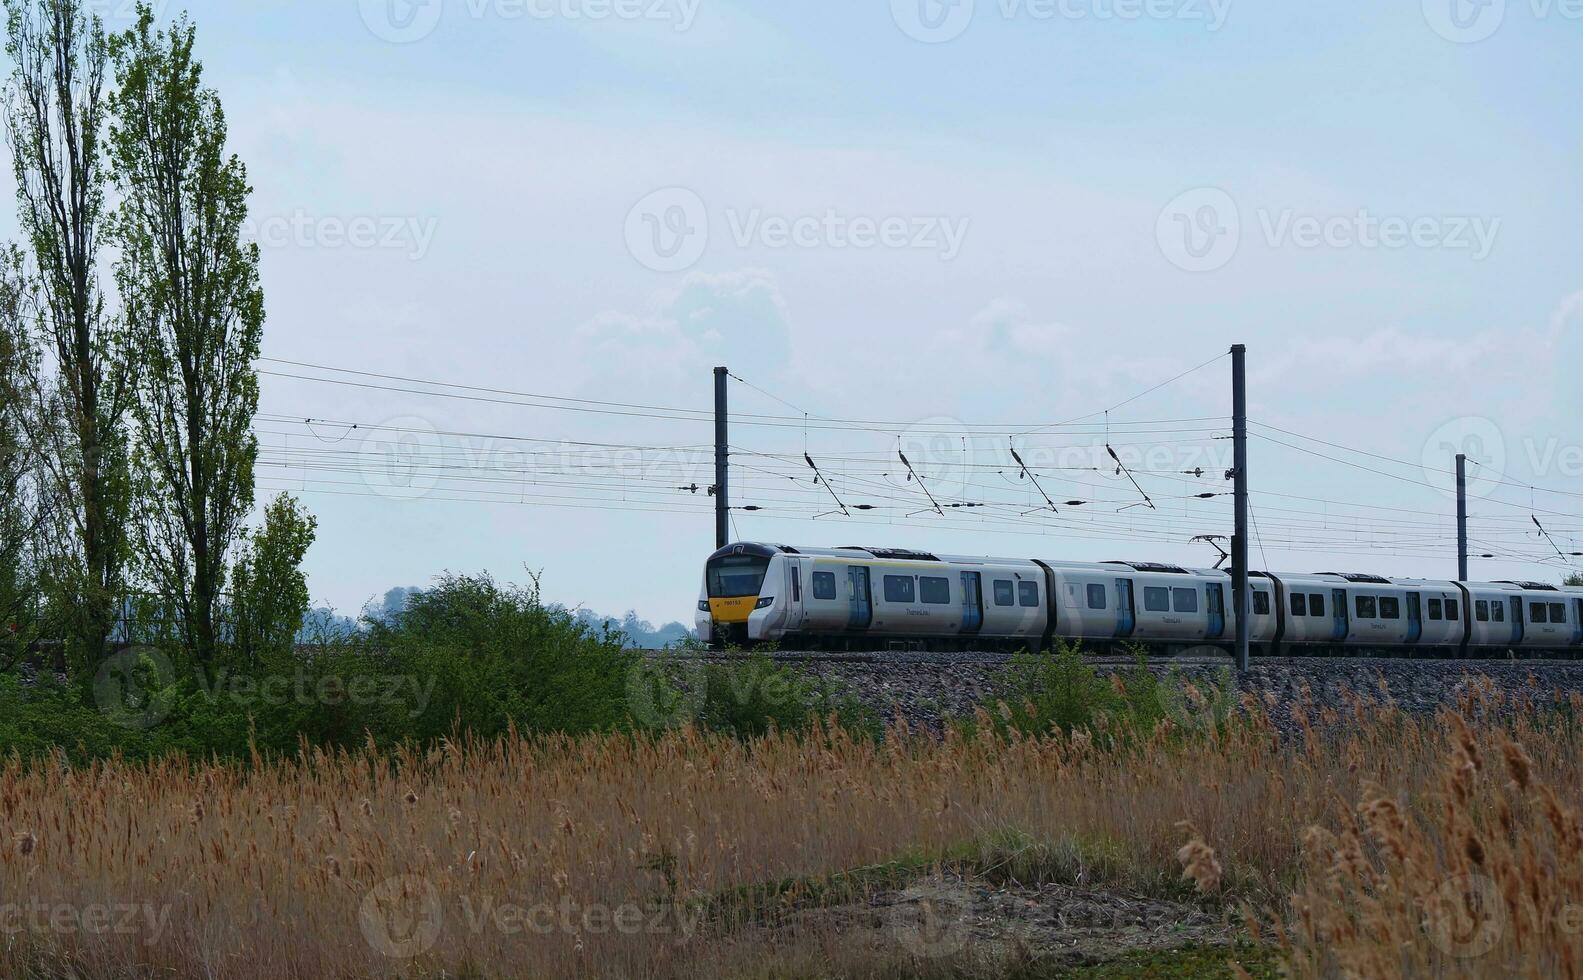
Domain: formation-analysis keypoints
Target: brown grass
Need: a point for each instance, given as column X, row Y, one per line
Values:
column 1368, row 851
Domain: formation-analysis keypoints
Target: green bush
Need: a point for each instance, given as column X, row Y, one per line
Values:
column 1040, row 693
column 745, row 697
column 469, row 655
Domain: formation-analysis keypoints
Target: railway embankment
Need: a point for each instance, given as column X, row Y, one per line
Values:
column 927, row 690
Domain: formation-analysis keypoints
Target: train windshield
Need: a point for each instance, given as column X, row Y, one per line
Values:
column 736, row 576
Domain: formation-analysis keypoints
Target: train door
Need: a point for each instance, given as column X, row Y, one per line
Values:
column 1126, row 609
column 1517, row 621
column 797, row 610
column 1577, row 622
column 1338, row 606
column 972, row 602
column 1216, row 598
column 1415, row 617
column 862, row 605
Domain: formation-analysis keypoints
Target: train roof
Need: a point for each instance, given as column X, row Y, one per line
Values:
column 763, row 550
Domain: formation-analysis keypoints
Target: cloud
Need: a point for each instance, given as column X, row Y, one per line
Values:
column 1002, row 336
column 738, row 319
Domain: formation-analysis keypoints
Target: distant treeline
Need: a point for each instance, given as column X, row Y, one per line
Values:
column 321, row 624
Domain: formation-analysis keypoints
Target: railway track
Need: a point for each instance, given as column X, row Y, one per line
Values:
column 979, row 658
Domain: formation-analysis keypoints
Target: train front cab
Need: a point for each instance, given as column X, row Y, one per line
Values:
column 733, row 590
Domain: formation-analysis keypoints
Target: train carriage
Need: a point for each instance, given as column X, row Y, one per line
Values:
column 862, row 597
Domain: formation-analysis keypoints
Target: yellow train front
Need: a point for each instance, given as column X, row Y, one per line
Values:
column 735, row 608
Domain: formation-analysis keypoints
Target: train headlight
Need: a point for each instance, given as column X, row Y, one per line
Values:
column 703, row 605
column 765, row 602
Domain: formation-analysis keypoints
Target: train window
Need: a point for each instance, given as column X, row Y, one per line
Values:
column 1453, row 610
column 1157, row 600
column 1365, row 606
column 900, row 588
column 1299, row 603
column 1481, row 610
column 1316, row 604
column 796, row 585
column 736, row 576
column 1538, row 612
column 1558, row 612
column 824, row 585
column 1390, row 607
column 1436, row 609
column 1186, row 600
column 1498, row 611
column 1028, row 594
column 1261, row 603
column 935, row 591
column 1096, row 597
column 1005, row 593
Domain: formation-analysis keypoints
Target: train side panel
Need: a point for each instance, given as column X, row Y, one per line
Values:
column 758, row 592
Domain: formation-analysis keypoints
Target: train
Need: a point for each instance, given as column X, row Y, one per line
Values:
column 890, row 598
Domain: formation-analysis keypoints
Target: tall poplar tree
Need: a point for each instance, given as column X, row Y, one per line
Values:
column 70, row 392
column 194, row 310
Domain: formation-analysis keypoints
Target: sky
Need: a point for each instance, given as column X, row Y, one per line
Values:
column 958, row 223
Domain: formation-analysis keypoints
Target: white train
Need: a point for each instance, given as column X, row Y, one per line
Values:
column 876, row 597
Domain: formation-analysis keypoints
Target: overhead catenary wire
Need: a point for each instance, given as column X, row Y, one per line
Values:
column 860, row 482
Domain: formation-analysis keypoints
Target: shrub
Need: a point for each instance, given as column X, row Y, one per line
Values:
column 1060, row 691
column 744, row 697
column 269, row 591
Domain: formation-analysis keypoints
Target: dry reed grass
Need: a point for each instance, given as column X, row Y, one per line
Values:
column 609, row 856
column 1474, row 868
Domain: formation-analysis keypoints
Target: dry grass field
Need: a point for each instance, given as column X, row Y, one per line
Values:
column 1375, row 844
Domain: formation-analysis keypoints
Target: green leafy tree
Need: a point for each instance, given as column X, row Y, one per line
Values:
column 70, row 389
column 19, row 512
column 1575, row 579
column 269, row 591
column 195, row 313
